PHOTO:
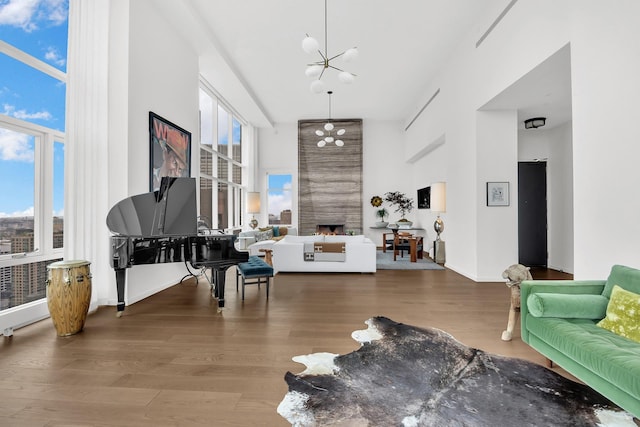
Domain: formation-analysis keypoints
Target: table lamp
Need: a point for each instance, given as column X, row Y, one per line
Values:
column 253, row 207
column 438, row 205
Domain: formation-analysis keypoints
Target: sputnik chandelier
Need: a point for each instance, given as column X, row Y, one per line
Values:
column 316, row 69
column 328, row 127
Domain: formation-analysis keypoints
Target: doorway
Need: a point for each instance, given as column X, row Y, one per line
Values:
column 532, row 214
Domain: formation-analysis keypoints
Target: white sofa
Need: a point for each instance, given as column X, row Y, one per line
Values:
column 254, row 240
column 289, row 254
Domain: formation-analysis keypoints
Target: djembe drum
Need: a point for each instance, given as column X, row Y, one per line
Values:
column 68, row 295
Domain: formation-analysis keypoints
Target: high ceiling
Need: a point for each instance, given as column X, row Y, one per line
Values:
column 259, row 67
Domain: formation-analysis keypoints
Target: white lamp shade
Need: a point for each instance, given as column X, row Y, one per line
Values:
column 346, row 77
column 439, row 197
column 328, row 139
column 317, row 86
column 321, row 143
column 350, row 54
column 341, row 132
column 328, row 126
column 310, row 45
column 319, row 133
column 339, row 142
column 253, row 202
column 313, row 71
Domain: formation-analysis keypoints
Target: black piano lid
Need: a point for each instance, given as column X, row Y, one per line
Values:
column 170, row 211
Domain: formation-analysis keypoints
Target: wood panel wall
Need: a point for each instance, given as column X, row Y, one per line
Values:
column 330, row 177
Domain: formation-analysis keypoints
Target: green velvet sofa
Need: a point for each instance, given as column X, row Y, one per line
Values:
column 559, row 319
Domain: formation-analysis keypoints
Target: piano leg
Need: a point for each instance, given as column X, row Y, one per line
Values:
column 121, row 276
column 220, row 277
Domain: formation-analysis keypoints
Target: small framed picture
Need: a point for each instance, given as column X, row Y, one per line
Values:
column 497, row 194
column 424, row 198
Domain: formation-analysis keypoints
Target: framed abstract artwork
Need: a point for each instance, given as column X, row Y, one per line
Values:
column 497, row 194
column 169, row 150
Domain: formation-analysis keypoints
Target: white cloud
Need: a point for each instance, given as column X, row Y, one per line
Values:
column 52, row 55
column 31, row 14
column 15, row 146
column 10, row 110
column 278, row 203
column 56, row 11
column 26, row 212
column 19, row 13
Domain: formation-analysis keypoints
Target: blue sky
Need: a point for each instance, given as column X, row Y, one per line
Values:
column 38, row 27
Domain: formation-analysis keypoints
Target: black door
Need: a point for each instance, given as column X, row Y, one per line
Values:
column 532, row 213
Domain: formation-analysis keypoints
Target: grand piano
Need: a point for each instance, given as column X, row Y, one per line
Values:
column 161, row 227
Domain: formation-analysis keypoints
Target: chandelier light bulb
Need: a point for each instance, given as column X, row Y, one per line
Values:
column 339, row 142
column 321, row 143
column 346, row 77
column 328, row 126
column 317, row 86
column 328, row 139
column 310, row 45
column 341, row 132
column 350, row 54
column 319, row 132
column 313, row 71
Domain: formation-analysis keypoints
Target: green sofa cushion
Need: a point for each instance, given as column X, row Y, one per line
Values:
column 568, row 306
column 626, row 277
column 623, row 314
column 613, row 358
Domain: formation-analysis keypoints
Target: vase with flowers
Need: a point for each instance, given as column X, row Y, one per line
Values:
column 381, row 212
column 403, row 204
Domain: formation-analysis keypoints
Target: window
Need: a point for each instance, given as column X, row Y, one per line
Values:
column 279, row 199
column 32, row 117
column 221, row 162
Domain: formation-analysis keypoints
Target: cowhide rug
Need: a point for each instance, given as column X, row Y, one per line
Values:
column 408, row 376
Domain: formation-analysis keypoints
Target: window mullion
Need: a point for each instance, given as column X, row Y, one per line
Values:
column 38, row 194
column 46, row 197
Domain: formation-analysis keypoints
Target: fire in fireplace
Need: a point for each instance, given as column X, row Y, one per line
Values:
column 330, row 229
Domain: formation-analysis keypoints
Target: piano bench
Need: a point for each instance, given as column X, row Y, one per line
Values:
column 255, row 271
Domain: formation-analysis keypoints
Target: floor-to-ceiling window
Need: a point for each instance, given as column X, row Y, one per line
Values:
column 33, row 50
column 222, row 162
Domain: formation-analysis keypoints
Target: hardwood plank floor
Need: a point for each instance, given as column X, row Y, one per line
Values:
column 173, row 360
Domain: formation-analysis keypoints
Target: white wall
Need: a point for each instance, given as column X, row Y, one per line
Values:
column 497, row 226
column 605, row 65
column 482, row 147
column 152, row 69
column 163, row 78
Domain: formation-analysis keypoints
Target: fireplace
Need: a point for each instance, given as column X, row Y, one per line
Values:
column 330, row 229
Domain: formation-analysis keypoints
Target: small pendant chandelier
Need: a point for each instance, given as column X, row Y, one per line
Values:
column 316, row 69
column 329, row 127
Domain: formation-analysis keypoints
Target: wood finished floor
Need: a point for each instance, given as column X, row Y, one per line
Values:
column 172, row 360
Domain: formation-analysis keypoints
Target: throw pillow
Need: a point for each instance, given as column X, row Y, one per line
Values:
column 276, row 231
column 567, row 306
column 626, row 277
column 283, row 231
column 264, row 235
column 623, row 314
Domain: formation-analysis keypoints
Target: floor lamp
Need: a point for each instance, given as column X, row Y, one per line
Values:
column 253, row 207
column 438, row 205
